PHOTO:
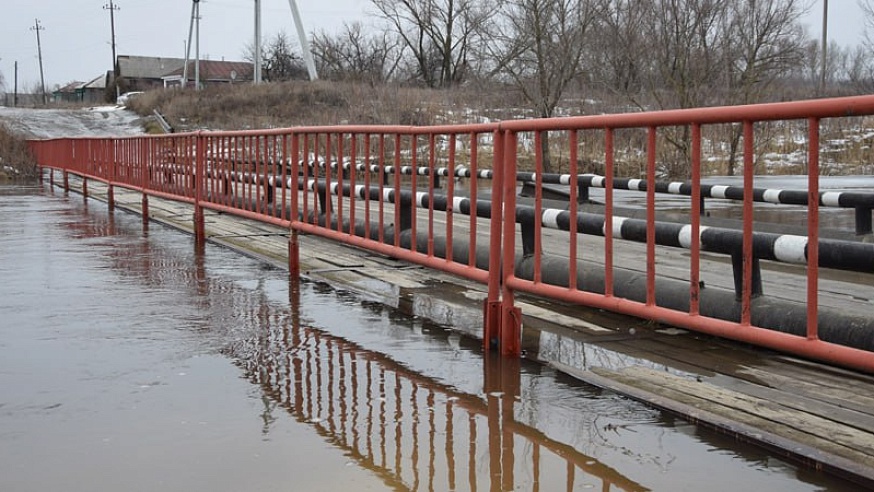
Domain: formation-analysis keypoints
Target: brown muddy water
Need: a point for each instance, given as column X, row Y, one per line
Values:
column 130, row 361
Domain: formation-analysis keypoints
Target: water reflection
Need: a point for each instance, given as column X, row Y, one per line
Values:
column 413, row 431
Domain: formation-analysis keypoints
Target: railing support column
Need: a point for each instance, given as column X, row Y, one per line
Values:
column 492, row 307
column 511, row 317
column 145, row 208
column 863, row 221
column 293, row 254
column 200, row 155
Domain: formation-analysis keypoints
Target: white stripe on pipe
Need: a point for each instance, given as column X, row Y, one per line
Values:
column 565, row 179
column 334, row 188
column 385, row 194
column 359, row 191
column 790, row 249
column 831, row 199
column 685, row 236
column 772, row 196
column 599, row 182
column 674, row 188
column 420, row 198
column 634, row 184
column 550, row 218
column 533, row 178
column 456, row 202
column 718, row 191
column 617, row 226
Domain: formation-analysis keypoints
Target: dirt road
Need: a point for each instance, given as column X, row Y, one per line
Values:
column 87, row 122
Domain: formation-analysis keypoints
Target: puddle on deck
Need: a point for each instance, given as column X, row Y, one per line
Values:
column 129, row 361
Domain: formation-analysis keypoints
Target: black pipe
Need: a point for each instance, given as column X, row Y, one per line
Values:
column 775, row 314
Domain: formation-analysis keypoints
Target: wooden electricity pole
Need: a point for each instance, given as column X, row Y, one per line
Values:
column 112, row 8
column 42, row 80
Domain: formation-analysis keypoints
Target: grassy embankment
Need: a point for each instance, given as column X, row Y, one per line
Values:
column 15, row 159
column 780, row 147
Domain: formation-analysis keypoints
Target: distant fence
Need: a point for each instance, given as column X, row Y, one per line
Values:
column 269, row 176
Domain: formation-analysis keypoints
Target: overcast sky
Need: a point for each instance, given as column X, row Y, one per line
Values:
column 76, row 39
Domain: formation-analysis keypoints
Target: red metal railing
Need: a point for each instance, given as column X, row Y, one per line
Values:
column 270, row 176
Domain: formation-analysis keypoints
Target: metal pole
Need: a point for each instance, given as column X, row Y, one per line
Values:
column 257, row 75
column 15, row 95
column 824, row 46
column 304, row 43
column 42, row 80
column 197, row 48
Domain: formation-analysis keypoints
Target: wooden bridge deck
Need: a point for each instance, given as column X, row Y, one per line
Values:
column 809, row 412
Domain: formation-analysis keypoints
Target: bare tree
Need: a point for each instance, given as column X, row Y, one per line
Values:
column 617, row 45
column 279, row 58
column 867, row 7
column 438, row 34
column 765, row 40
column 539, row 46
column 693, row 53
column 354, row 55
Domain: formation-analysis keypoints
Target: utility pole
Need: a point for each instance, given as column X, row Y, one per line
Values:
column 15, row 96
column 195, row 20
column 824, row 46
column 112, row 8
column 42, row 80
column 257, row 75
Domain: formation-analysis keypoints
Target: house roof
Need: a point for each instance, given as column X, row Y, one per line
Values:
column 147, row 67
column 71, row 87
column 216, row 70
column 98, row 82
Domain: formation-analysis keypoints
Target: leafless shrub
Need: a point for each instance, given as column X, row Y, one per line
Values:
column 16, row 161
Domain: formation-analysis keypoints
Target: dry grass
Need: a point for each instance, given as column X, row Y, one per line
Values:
column 16, row 162
column 288, row 104
column 780, row 147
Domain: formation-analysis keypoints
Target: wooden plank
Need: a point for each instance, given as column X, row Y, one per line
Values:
column 729, row 403
column 784, row 445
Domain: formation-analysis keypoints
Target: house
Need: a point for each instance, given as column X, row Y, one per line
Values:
column 141, row 73
column 212, row 72
column 67, row 93
column 93, row 91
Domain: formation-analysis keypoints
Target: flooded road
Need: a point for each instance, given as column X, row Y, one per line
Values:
column 130, row 361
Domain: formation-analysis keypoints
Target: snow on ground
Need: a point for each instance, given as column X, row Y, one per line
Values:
column 99, row 121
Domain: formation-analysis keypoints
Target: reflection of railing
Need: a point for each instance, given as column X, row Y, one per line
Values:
column 411, row 431
column 179, row 167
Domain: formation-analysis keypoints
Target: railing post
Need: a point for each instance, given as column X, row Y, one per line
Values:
column 293, row 242
column 110, row 192
column 145, row 157
column 199, row 160
column 493, row 308
column 511, row 316
column 863, row 221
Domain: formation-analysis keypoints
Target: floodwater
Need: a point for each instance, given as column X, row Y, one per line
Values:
column 131, row 361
